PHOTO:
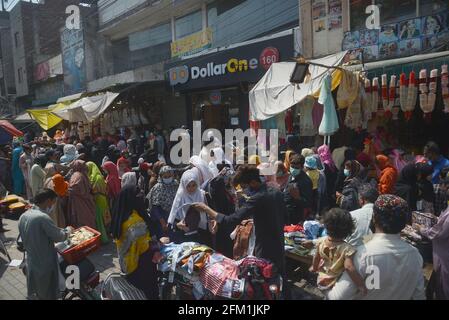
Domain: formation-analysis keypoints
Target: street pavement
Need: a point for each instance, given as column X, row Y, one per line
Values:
column 13, row 281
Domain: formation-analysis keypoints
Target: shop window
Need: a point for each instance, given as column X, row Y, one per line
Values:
column 151, row 37
column 188, row 25
column 237, row 21
column 428, row 7
column 357, row 13
column 394, row 11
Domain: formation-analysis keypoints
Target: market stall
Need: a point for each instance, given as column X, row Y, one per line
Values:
column 8, row 132
column 207, row 274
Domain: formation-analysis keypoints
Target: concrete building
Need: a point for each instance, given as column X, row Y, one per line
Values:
column 7, row 81
column 149, row 37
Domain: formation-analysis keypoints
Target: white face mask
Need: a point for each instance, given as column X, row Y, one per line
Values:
column 167, row 180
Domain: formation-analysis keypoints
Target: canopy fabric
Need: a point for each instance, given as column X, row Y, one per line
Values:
column 274, row 93
column 87, row 109
column 23, row 118
column 10, row 129
column 45, row 117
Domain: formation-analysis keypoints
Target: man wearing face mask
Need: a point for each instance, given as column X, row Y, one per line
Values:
column 39, row 235
column 298, row 193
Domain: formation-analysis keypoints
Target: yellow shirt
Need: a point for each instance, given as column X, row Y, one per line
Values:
column 332, row 262
column 134, row 241
column 314, row 175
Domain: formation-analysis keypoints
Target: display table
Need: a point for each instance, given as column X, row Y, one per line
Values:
column 305, row 260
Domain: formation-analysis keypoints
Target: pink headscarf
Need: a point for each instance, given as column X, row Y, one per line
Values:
column 326, row 157
column 112, row 180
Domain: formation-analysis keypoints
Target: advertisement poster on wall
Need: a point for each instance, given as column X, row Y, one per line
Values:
column 73, row 58
column 318, row 9
column 319, row 25
column 410, row 29
column 335, row 14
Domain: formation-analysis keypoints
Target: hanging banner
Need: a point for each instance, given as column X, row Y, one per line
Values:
column 192, row 44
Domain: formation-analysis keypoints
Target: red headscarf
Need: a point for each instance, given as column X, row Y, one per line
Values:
column 112, row 180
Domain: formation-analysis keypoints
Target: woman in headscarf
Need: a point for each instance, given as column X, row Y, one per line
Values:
column 282, row 175
column 53, row 167
column 388, row 175
column 81, row 207
column 112, row 181
column 349, row 155
column 288, row 157
column 123, row 165
column 134, row 244
column 201, row 169
column 143, row 177
column 100, row 190
column 160, row 200
column 121, row 146
column 37, row 174
column 254, row 160
column 218, row 160
column 129, row 179
column 70, row 154
column 17, row 175
column 407, row 185
column 189, row 192
column 26, row 162
column 348, row 199
column 330, row 172
column 61, row 188
column 155, row 174
column 426, row 195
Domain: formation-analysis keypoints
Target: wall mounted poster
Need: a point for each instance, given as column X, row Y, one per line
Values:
column 335, row 22
column 351, row 40
column 409, row 47
column 388, row 50
column 369, row 38
column 319, row 25
column 318, row 9
column 433, row 25
column 388, row 33
column 410, row 29
column 371, row 53
column 335, row 7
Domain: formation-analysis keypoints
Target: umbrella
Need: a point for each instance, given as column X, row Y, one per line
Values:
column 8, row 131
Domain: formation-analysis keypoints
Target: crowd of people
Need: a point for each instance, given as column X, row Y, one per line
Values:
column 126, row 190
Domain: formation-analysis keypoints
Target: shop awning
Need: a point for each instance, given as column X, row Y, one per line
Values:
column 274, row 93
column 23, row 118
column 70, row 98
column 87, row 109
column 8, row 131
column 45, row 117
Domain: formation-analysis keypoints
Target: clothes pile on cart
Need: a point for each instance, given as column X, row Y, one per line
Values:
column 212, row 274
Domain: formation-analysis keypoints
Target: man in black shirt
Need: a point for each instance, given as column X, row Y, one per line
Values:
column 266, row 207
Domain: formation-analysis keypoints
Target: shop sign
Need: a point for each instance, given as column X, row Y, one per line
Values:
column 192, row 44
column 215, row 98
column 246, row 63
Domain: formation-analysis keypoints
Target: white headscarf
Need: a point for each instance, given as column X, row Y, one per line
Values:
column 121, row 145
column 203, row 171
column 218, row 158
column 129, row 178
column 183, row 199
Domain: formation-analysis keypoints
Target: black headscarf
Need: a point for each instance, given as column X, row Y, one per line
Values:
column 407, row 187
column 127, row 201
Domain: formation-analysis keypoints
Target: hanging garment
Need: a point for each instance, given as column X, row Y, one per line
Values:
column 306, row 128
column 353, row 118
column 329, row 124
column 317, row 114
column 280, row 125
column 348, row 90
column 289, row 119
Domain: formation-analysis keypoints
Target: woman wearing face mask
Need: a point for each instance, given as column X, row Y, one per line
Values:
column 348, row 199
column 188, row 193
column 160, row 199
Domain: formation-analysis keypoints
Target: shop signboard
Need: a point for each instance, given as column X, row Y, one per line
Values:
column 246, row 63
column 192, row 44
column 73, row 60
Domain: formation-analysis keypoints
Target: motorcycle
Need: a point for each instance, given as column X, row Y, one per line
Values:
column 89, row 276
